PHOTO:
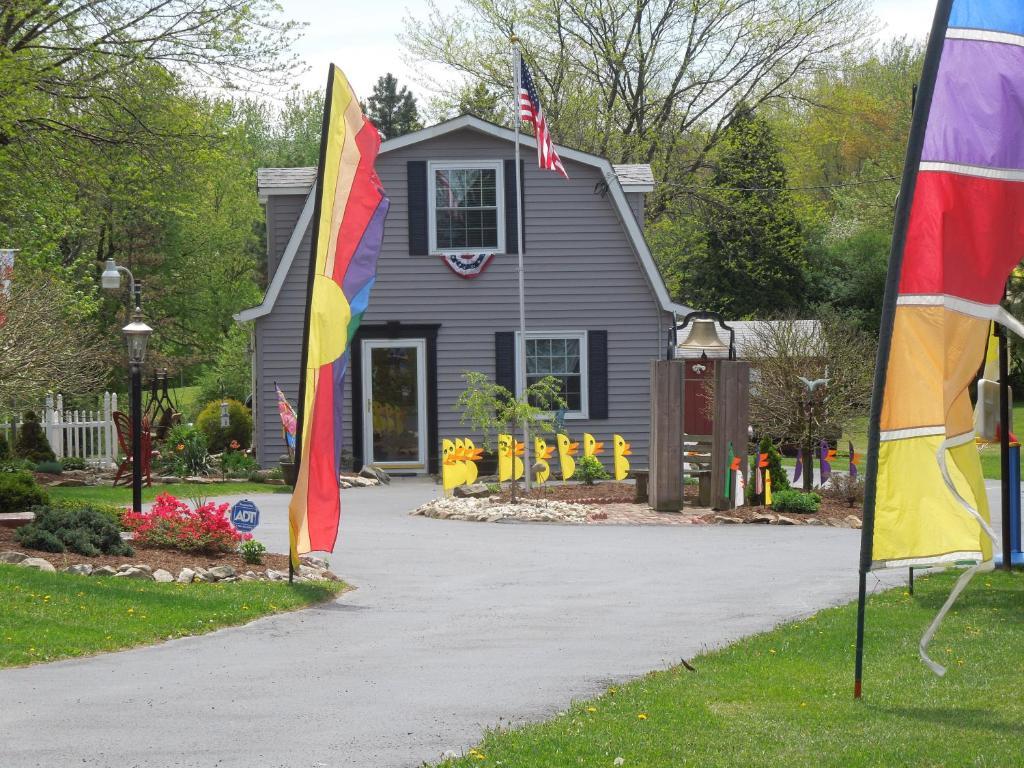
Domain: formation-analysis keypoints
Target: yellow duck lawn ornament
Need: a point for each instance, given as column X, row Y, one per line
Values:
column 620, row 449
column 453, row 473
column 460, row 456
column 566, row 451
column 509, row 463
column 591, row 447
column 541, row 469
column 473, row 455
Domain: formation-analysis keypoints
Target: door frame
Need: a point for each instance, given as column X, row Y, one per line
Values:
column 397, row 332
column 420, row 345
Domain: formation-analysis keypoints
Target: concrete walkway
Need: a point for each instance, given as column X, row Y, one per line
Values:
column 455, row 627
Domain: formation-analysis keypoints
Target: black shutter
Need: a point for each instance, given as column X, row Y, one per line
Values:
column 505, row 360
column 511, row 232
column 416, row 172
column 597, row 369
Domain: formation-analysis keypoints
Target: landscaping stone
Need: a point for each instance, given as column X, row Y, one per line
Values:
column 362, row 482
column 329, row 576
column 185, row 576
column 475, row 491
column 276, row 575
column 228, row 579
column 143, row 567
column 852, row 521
column 82, row 569
column 134, row 573
column 68, row 482
column 12, row 557
column 494, row 510
column 727, row 520
column 103, row 570
column 813, row 521
column 783, row 520
column 762, row 519
column 38, row 563
column 314, row 562
column 164, row 577
column 219, row 572
column 375, row 472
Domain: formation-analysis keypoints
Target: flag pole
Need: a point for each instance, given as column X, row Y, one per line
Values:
column 521, row 352
column 915, row 144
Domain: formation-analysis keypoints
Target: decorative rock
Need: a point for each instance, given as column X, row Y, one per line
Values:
column 496, row 510
column 123, row 567
column 103, row 570
column 82, row 569
column 68, row 482
column 164, row 577
column 145, row 568
column 228, row 579
column 762, row 519
column 38, row 563
column 362, row 482
column 727, row 520
column 375, row 472
column 852, row 521
column 619, row 761
column 219, row 572
column 329, row 576
column 314, row 562
column 475, row 491
column 273, row 575
column 12, row 557
column 134, row 573
column 186, row 576
column 813, row 521
column 783, row 520
column 344, row 484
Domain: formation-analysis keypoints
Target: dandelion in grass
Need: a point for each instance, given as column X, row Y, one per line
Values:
column 591, row 709
column 642, row 716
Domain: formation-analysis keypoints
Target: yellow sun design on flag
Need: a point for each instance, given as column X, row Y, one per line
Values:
column 329, row 317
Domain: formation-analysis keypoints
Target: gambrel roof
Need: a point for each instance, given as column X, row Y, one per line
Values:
column 620, row 180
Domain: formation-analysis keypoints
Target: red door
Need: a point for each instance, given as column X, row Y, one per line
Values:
column 697, row 402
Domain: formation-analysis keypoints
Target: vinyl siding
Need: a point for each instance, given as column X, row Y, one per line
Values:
column 581, row 274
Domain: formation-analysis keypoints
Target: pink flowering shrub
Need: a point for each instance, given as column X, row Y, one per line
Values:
column 172, row 524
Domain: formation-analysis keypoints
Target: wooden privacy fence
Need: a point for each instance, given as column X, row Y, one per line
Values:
column 83, row 433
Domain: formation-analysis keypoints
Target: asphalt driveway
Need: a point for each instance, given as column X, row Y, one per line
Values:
column 454, row 627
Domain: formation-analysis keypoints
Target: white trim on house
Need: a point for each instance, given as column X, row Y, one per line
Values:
column 499, row 198
column 581, row 336
column 615, row 188
column 286, row 262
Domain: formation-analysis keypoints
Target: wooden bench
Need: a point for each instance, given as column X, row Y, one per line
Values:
column 697, row 463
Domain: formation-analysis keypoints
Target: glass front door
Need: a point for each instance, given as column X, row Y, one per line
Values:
column 394, row 388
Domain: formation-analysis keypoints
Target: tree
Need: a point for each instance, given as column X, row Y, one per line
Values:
column 653, row 81
column 391, row 109
column 754, row 263
column 46, row 344
column 781, row 405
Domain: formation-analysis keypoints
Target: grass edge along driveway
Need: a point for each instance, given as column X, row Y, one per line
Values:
column 784, row 698
column 50, row 616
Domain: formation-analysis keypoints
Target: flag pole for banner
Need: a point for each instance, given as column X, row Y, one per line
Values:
column 521, row 352
column 915, row 144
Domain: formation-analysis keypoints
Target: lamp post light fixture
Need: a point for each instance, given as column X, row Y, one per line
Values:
column 225, row 417
column 136, row 336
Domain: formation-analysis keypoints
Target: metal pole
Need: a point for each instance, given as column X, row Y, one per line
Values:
column 136, row 408
column 1004, row 444
column 517, row 68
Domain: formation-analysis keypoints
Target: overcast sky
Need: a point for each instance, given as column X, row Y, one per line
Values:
column 364, row 43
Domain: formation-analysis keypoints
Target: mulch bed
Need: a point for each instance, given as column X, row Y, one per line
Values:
column 830, row 510
column 168, row 559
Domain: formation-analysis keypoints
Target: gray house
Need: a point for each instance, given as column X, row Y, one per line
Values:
column 597, row 310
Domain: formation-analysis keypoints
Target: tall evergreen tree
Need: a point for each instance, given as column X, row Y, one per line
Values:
column 754, row 264
column 393, row 110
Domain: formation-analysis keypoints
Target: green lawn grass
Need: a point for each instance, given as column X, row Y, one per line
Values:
column 784, row 698
column 123, row 495
column 47, row 616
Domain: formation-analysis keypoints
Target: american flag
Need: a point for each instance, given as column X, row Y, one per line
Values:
column 530, row 111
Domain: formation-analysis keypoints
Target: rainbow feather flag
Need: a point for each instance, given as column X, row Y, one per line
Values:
column 959, row 233
column 348, row 229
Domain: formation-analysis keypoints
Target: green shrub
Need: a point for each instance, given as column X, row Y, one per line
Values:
column 16, row 465
column 32, row 443
column 5, row 447
column 238, row 464
column 589, row 469
column 780, row 478
column 796, row 501
column 19, row 491
column 86, row 531
column 238, row 431
column 72, row 462
column 252, row 551
column 50, row 467
column 112, row 511
column 186, row 451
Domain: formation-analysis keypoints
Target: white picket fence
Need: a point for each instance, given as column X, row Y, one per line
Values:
column 87, row 434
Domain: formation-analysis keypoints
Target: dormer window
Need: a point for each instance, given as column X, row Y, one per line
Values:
column 467, row 209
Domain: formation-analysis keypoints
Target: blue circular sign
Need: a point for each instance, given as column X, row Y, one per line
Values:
column 245, row 516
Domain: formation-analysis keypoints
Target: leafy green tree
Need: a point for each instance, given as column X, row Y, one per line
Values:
column 480, row 101
column 392, row 109
column 230, row 374
column 754, row 264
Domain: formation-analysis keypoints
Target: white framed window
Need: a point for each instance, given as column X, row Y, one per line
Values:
column 562, row 354
column 467, row 206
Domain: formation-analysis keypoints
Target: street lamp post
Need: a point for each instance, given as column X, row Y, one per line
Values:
column 136, row 335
